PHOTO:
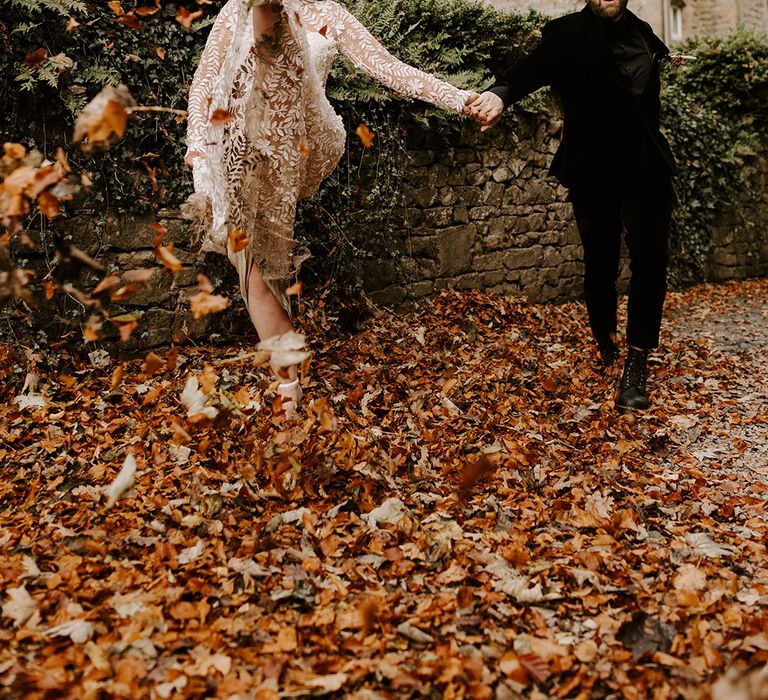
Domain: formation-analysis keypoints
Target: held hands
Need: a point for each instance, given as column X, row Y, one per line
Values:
column 486, row 108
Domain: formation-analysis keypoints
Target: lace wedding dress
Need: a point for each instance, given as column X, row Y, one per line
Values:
column 259, row 115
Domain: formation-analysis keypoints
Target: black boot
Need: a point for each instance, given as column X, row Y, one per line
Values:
column 609, row 353
column 632, row 394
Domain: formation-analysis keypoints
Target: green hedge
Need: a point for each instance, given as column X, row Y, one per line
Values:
column 713, row 110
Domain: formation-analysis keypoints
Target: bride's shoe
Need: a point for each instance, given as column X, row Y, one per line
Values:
column 291, row 395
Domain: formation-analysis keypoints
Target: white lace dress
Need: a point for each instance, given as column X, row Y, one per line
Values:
column 283, row 137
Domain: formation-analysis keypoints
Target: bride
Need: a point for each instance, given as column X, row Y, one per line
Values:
column 262, row 134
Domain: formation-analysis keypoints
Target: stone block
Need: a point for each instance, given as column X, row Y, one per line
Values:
column 482, row 213
column 522, row 258
column 438, row 217
column 489, row 261
column 455, row 249
column 131, row 232
column 493, row 193
column 460, row 215
column 391, row 296
column 502, row 174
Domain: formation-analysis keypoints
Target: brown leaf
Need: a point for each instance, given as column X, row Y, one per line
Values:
column 165, row 255
column 472, row 472
column 204, row 303
column 48, row 205
column 92, row 329
column 237, row 241
column 126, row 329
column 72, row 24
column 535, row 666
column 109, row 282
column 104, row 119
column 152, row 364
column 185, row 18
column 204, row 284
column 35, row 58
column 365, row 135
column 221, row 117
column 116, row 7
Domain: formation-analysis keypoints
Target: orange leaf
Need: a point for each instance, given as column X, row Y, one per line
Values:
column 204, row 284
column 48, row 205
column 92, row 329
column 109, row 282
column 126, row 329
column 303, row 149
column 294, row 289
column 116, row 7
column 72, row 24
column 152, row 364
column 185, row 18
column 237, row 241
column 165, row 255
column 366, row 135
column 204, row 303
column 159, row 228
column 221, row 116
column 160, row 53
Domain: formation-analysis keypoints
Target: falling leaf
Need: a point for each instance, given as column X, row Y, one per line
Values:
column 237, row 241
column 122, row 482
column 165, row 255
column 195, row 401
column 294, row 289
column 103, row 121
column 219, row 117
column 152, row 364
column 285, row 350
column 92, row 330
column 107, row 283
column 204, row 303
column 365, row 135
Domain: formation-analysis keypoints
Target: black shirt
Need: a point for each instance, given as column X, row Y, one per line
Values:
column 631, row 51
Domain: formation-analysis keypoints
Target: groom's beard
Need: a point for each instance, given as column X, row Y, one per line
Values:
column 608, row 9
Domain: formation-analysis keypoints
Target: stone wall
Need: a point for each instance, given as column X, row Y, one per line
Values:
column 480, row 212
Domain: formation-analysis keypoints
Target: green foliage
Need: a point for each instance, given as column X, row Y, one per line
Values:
column 714, row 109
column 715, row 113
column 729, row 75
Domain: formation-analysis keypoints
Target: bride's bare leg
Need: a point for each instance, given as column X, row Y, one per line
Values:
column 268, row 316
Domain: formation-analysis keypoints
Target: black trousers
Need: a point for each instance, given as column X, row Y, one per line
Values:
column 644, row 210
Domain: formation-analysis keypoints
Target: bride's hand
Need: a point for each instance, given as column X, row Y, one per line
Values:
column 468, row 109
column 190, row 157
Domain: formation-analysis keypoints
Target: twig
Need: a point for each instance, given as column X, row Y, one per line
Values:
column 143, row 108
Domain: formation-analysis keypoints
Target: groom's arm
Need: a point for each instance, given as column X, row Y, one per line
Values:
column 529, row 74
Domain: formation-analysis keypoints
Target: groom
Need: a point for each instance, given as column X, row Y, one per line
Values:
column 604, row 64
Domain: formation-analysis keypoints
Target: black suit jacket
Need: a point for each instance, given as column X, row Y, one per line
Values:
column 610, row 138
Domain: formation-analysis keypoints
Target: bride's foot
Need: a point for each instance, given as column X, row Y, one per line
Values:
column 291, row 397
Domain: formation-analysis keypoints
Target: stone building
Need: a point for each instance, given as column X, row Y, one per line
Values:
column 672, row 20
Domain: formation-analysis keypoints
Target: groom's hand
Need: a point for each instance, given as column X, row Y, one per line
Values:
column 486, row 108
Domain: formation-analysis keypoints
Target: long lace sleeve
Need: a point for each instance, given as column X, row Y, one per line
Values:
column 201, row 90
column 367, row 54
